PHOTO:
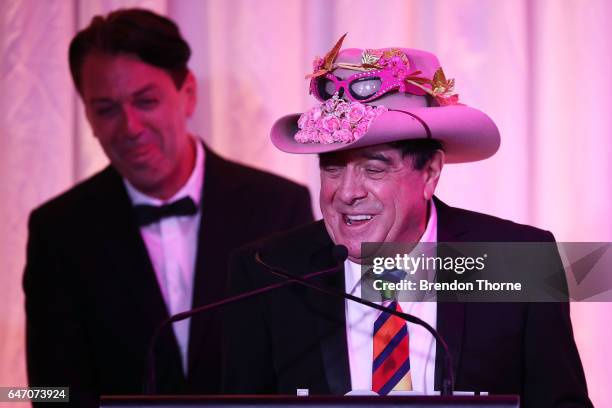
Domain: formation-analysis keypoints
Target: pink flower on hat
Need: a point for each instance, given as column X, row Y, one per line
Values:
column 303, row 120
column 301, row 136
column 343, row 135
column 371, row 113
column 362, row 127
column 330, row 123
column 325, row 137
column 342, row 108
column 312, row 135
column 336, row 121
column 356, row 112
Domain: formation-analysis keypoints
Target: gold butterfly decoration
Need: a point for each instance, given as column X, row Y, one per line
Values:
column 440, row 85
column 328, row 61
column 369, row 58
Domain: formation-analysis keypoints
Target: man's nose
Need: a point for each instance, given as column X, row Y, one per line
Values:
column 132, row 122
column 351, row 188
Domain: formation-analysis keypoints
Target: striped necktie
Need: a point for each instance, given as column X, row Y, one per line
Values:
column 390, row 357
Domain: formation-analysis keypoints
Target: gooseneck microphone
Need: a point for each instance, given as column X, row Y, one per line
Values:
column 150, row 386
column 340, row 253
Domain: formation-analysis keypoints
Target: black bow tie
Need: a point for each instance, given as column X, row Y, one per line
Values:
column 148, row 214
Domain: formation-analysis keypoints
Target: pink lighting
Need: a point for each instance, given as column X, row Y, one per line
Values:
column 540, row 69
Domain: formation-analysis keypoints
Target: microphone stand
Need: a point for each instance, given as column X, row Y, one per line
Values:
column 150, row 376
column 448, row 380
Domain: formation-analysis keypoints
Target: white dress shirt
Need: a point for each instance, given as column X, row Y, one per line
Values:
column 172, row 244
column 360, row 322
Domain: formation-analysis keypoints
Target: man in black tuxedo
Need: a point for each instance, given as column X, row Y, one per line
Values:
column 148, row 236
column 403, row 122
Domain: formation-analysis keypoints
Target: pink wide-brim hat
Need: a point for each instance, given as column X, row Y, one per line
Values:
column 467, row 134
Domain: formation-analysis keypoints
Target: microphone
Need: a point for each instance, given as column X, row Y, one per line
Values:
column 150, row 385
column 340, row 253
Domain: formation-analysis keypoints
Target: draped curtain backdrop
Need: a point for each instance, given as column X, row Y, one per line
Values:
column 541, row 69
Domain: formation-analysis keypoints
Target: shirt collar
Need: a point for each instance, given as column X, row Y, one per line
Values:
column 431, row 231
column 192, row 188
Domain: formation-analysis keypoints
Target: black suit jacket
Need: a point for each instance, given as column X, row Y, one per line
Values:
column 296, row 337
column 92, row 298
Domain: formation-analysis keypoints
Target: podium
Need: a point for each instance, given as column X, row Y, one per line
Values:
column 247, row 401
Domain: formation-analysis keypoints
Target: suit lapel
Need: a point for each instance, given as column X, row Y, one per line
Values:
column 133, row 273
column 450, row 326
column 450, row 315
column 332, row 328
column 218, row 195
column 120, row 236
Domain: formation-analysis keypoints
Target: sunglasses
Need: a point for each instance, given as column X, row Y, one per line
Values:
column 361, row 87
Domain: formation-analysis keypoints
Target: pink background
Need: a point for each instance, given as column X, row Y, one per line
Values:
column 541, row 69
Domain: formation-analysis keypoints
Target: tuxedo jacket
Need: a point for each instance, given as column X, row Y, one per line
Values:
column 92, row 297
column 295, row 337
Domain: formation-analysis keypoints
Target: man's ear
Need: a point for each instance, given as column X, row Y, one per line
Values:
column 190, row 93
column 89, row 117
column 431, row 174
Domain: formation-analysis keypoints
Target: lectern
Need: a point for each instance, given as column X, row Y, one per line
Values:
column 247, row 401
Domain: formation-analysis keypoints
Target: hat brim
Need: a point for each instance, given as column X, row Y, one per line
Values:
column 466, row 133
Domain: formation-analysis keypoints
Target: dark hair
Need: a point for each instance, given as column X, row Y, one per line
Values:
column 420, row 150
column 155, row 39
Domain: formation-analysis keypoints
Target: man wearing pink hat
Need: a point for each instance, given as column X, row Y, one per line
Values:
column 387, row 122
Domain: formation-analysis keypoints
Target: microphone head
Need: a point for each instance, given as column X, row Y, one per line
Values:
column 340, row 253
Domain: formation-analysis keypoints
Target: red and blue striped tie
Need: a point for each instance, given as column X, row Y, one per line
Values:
column 390, row 357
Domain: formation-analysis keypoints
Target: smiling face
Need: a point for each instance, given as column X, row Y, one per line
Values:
column 139, row 117
column 373, row 194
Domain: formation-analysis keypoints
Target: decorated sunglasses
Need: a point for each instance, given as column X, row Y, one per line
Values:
column 360, row 87
column 380, row 72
